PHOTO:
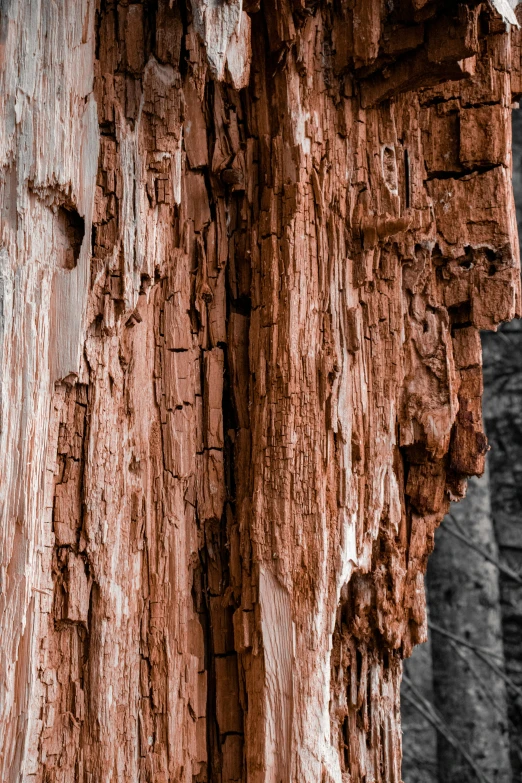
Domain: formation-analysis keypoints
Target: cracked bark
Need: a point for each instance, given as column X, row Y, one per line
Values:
column 245, row 255
column 502, row 418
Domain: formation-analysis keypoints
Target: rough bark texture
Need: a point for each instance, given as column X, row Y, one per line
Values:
column 465, row 678
column 245, row 255
column 503, row 418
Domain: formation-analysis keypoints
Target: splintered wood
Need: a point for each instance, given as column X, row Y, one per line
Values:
column 245, row 253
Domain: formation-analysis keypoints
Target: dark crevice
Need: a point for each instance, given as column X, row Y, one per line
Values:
column 72, row 229
column 438, row 175
column 407, row 179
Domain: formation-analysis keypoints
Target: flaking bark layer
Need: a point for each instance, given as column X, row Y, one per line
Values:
column 246, row 250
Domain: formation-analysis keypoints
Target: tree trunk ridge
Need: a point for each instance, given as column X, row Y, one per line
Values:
column 246, row 251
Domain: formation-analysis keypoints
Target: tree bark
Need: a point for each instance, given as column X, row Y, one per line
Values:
column 457, row 680
column 503, row 417
column 245, row 252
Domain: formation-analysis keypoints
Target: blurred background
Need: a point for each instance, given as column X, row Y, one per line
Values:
column 462, row 690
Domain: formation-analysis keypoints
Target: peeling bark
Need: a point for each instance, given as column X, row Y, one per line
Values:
column 245, row 253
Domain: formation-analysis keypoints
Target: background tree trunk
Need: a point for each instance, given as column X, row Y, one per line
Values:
column 419, row 732
column 245, row 254
column 464, row 602
column 503, row 410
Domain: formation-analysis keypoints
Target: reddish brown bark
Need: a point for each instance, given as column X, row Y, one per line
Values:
column 264, row 379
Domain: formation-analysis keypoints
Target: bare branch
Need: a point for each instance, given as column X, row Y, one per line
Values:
column 482, row 653
column 504, row 569
column 435, row 718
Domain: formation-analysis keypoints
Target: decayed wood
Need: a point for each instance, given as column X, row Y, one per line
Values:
column 246, row 251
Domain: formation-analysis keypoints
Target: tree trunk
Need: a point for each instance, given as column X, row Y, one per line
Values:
column 419, row 730
column 458, row 686
column 503, row 416
column 246, row 252
column 464, row 608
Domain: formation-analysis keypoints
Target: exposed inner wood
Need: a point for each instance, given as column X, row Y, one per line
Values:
column 246, row 251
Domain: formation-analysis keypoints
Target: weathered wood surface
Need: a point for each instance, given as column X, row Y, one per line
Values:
column 245, row 254
column 503, row 420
